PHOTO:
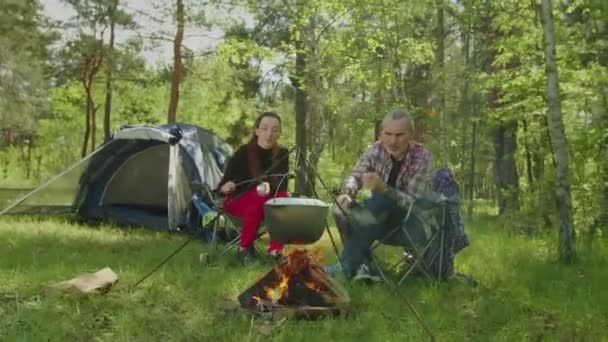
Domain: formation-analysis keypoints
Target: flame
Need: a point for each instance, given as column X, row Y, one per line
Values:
column 297, row 261
column 313, row 286
column 284, row 283
column 275, row 292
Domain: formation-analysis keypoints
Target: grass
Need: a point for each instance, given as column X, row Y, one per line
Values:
column 524, row 294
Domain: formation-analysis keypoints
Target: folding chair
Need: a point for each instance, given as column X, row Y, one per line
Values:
column 208, row 204
column 229, row 226
column 426, row 235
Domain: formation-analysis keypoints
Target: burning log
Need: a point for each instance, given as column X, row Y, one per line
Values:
column 296, row 287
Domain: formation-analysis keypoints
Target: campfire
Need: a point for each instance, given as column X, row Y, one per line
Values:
column 296, row 287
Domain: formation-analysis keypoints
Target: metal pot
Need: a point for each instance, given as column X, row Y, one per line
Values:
column 295, row 220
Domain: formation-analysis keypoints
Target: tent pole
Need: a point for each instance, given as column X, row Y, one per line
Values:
column 33, row 192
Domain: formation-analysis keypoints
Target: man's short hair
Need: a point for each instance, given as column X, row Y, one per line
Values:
column 399, row 114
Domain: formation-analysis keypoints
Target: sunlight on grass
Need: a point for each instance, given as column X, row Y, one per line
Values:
column 524, row 294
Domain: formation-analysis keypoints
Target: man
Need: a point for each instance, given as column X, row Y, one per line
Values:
column 395, row 170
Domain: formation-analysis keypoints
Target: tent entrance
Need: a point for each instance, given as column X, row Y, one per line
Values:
column 141, row 181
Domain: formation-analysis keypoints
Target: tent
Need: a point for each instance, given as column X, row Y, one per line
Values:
column 143, row 175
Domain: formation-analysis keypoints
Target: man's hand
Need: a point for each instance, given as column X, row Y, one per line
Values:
column 344, row 200
column 373, row 182
column 227, row 188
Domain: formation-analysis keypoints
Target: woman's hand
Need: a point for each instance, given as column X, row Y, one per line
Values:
column 263, row 189
column 227, row 188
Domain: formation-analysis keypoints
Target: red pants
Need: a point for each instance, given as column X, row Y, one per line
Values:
column 249, row 207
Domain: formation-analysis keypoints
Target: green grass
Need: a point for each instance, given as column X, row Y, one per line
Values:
column 524, row 294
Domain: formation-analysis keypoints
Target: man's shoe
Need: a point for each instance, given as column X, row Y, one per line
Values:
column 460, row 242
column 332, row 269
column 364, row 273
column 247, row 255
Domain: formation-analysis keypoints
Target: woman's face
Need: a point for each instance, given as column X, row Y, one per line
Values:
column 268, row 132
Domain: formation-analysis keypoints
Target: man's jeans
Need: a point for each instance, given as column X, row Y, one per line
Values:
column 378, row 216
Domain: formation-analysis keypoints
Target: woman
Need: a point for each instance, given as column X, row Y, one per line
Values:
column 256, row 173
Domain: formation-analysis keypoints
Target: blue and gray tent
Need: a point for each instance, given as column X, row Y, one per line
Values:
column 142, row 176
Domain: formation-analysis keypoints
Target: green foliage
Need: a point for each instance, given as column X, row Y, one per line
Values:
column 363, row 57
column 61, row 134
column 24, row 51
column 216, row 97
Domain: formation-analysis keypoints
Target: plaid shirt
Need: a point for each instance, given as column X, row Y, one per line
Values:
column 413, row 177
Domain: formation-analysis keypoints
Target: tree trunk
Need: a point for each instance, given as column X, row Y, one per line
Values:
column 177, row 62
column 470, row 50
column 8, row 136
column 544, row 204
column 93, row 126
column 465, row 107
column 38, row 164
column 379, row 100
column 91, row 111
column 464, row 144
column 558, row 138
column 109, row 74
column 471, row 182
column 320, row 137
column 301, row 185
column 6, row 164
column 505, row 169
column 440, row 85
column 601, row 219
column 505, row 132
column 603, row 207
column 93, row 116
column 28, row 163
column 91, row 68
column 87, row 122
column 528, row 157
column 377, row 129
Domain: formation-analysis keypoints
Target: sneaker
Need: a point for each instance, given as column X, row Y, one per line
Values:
column 460, row 243
column 332, row 269
column 408, row 261
column 247, row 255
column 364, row 273
column 463, row 279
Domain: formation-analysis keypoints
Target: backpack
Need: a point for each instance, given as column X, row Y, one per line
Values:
column 443, row 182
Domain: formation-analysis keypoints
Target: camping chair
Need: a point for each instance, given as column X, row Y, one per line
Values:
column 426, row 235
column 432, row 231
column 226, row 227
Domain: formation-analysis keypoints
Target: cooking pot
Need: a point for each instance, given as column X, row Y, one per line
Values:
column 295, row 220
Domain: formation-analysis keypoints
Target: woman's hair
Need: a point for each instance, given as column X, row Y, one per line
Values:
column 255, row 168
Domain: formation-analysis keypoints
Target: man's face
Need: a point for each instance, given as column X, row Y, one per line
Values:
column 396, row 137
